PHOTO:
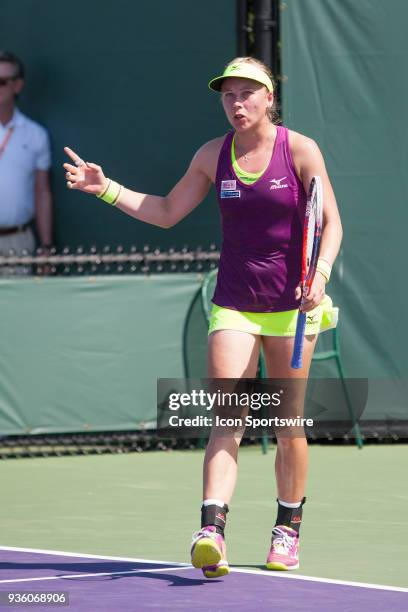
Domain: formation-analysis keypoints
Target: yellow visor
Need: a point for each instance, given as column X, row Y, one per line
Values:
column 242, row 70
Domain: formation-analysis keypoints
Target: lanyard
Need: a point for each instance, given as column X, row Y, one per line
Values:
column 4, row 144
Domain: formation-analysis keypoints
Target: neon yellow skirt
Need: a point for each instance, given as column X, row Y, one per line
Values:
column 320, row 319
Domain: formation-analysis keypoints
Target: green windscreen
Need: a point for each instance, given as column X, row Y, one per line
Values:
column 124, row 83
column 84, row 353
column 346, row 86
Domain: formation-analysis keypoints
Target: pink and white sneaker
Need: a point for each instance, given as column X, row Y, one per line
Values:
column 284, row 553
column 209, row 553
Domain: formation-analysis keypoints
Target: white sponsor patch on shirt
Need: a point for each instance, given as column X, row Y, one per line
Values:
column 228, row 185
column 229, row 193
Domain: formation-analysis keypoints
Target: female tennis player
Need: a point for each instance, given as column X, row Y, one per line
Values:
column 261, row 172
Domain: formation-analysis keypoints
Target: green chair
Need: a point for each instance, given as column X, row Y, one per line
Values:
column 334, row 353
column 207, row 291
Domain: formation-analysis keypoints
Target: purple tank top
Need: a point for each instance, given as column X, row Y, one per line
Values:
column 262, row 223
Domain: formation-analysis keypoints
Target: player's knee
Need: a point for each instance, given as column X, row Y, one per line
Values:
column 289, row 443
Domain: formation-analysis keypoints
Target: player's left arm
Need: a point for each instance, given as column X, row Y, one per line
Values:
column 308, row 161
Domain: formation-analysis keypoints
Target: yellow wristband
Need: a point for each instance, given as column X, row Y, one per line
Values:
column 324, row 268
column 118, row 196
column 111, row 193
column 104, row 190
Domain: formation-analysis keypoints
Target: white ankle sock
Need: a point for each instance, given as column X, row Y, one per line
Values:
column 290, row 505
column 212, row 502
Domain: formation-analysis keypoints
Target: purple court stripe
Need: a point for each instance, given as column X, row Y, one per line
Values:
column 182, row 588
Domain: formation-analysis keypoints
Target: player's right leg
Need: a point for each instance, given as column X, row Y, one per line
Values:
column 231, row 354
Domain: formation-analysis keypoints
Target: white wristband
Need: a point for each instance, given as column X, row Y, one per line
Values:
column 324, row 268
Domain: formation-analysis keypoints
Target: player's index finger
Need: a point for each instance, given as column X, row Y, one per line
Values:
column 75, row 158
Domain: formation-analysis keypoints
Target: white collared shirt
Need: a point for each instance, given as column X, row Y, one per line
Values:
column 27, row 151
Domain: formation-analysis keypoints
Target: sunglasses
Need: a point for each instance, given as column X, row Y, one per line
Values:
column 5, row 80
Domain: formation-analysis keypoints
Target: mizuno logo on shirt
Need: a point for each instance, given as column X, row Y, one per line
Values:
column 276, row 183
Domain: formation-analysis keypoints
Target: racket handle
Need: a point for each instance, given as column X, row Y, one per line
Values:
column 296, row 362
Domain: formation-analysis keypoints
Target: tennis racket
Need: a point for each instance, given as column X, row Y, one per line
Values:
column 312, row 231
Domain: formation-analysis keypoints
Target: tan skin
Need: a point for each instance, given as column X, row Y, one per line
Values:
column 42, row 190
column 234, row 354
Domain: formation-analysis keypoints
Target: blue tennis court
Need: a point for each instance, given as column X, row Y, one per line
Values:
column 114, row 583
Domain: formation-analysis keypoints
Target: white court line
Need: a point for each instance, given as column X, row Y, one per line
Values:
column 67, row 576
column 175, row 565
column 364, row 585
column 61, row 553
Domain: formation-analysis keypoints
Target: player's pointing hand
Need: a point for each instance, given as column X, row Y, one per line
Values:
column 84, row 176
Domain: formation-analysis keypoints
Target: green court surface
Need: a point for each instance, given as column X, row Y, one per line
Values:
column 147, row 505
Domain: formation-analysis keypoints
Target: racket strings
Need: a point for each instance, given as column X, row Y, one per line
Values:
column 310, row 235
column 312, row 230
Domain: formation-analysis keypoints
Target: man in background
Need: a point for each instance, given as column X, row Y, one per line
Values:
column 24, row 168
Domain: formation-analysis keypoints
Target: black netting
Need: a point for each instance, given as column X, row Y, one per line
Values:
column 78, row 261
